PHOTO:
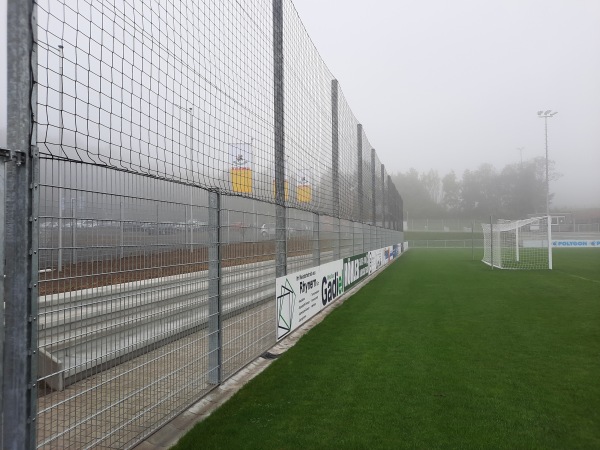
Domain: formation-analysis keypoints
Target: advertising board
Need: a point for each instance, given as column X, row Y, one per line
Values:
column 301, row 295
column 356, row 269
column 575, row 243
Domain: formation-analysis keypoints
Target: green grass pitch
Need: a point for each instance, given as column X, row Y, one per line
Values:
column 439, row 351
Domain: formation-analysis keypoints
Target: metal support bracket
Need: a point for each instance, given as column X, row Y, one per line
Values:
column 13, row 155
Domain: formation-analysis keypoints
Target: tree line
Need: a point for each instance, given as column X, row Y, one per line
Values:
column 513, row 192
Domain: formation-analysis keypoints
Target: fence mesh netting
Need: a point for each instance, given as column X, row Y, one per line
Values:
column 144, row 110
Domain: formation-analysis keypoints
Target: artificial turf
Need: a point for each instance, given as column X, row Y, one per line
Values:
column 438, row 351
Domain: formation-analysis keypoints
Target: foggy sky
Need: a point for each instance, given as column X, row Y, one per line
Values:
column 452, row 85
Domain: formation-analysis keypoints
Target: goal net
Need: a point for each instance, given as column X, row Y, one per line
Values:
column 518, row 244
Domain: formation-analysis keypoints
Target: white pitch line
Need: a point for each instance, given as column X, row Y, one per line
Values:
column 581, row 278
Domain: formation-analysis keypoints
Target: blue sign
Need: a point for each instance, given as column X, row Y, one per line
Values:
column 575, row 243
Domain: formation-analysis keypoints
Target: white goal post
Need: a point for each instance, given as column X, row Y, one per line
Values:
column 518, row 244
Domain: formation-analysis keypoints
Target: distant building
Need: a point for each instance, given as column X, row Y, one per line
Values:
column 587, row 220
column 561, row 221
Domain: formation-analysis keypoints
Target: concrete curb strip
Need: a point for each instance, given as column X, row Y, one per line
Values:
column 169, row 434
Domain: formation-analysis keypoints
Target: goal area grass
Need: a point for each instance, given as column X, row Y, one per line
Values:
column 438, row 351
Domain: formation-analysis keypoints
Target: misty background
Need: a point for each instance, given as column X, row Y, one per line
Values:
column 451, row 86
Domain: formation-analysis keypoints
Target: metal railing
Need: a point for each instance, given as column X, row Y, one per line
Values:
column 161, row 171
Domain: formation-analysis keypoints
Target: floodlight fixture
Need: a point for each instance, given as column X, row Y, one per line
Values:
column 546, row 114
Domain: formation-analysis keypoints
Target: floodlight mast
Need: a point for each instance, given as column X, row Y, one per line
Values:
column 545, row 115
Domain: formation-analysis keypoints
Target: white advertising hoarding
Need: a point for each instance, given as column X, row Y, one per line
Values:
column 301, row 295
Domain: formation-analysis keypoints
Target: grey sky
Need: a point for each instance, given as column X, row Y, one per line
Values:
column 452, row 85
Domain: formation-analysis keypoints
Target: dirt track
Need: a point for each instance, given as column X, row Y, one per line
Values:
column 143, row 266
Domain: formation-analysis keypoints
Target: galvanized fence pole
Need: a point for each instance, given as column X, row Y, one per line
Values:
column 187, row 226
column 335, row 179
column 215, row 329
column 61, row 204
column 191, row 114
column 3, row 240
column 398, row 213
column 364, row 241
column 359, row 175
column 391, row 206
column 191, row 219
column 279, row 134
column 337, row 247
column 374, row 199
column 20, row 235
column 61, row 129
column 122, row 230
column 383, row 202
column 359, row 182
column 73, row 232
column 353, row 243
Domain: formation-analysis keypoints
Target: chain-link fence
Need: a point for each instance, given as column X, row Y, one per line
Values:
column 183, row 155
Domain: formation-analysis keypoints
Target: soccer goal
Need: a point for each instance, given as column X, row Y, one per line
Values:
column 518, row 244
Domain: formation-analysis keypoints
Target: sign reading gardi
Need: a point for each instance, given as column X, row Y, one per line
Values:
column 301, row 295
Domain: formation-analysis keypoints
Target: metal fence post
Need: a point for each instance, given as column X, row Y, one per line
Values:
column 280, row 215
column 396, row 207
column 2, row 241
column 401, row 213
column 187, row 226
column 359, row 175
column 215, row 340
column 335, row 148
column 191, row 219
column 374, row 203
column 20, row 238
column 61, row 131
column 392, row 204
column 61, row 204
column 353, row 244
column 335, row 178
column 122, row 230
column 383, row 202
column 73, row 232
column 315, row 237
